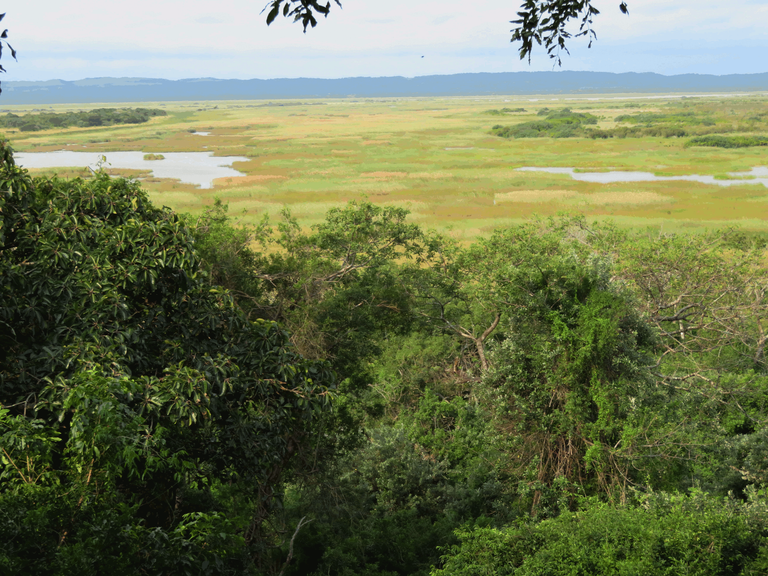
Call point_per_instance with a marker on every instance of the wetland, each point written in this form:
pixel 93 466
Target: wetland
pixel 194 168
pixel 680 163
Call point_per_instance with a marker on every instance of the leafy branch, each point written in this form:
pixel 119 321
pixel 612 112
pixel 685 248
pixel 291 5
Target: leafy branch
pixel 303 10
pixel 3 40
pixel 544 22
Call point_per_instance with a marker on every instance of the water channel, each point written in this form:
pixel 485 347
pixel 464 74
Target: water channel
pixel 758 175
pixel 198 168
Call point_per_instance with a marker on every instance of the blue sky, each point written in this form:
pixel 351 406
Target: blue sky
pixel 229 39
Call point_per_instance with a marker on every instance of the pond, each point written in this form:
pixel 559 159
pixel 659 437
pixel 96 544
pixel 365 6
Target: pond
pixel 198 168
pixel 758 175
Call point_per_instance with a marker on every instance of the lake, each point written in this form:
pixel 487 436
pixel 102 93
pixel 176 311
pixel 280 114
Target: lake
pixel 758 175
pixel 198 168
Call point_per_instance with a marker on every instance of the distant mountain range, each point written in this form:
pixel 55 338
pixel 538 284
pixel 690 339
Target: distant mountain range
pixel 480 84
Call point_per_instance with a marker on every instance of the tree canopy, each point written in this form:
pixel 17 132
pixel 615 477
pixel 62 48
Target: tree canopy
pixel 133 394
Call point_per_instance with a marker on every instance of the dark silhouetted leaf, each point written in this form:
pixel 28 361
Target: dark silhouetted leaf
pixel 273 14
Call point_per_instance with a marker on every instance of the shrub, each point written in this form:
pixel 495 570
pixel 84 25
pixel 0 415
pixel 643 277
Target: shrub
pixel 718 141
pixel 665 535
pixel 557 124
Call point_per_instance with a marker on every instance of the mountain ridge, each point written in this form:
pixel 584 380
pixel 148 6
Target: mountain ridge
pixel 134 89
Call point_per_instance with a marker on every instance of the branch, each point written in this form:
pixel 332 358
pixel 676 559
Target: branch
pixel 491 328
pixel 290 546
pixel 26 480
pixel 299 10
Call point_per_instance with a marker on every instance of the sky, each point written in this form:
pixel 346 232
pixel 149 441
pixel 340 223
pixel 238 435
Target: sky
pixel 177 39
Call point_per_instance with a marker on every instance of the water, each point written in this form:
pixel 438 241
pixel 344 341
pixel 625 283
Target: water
pixel 198 168
pixel 758 175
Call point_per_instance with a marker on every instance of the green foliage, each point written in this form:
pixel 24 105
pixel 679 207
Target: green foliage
pixel 573 356
pixel 388 505
pixel 97 117
pixel 457 432
pixel 411 363
pixel 503 111
pixel 557 124
pixel 128 381
pixel 677 124
pixel 667 118
pixel 42 533
pixel 665 535
pixel 228 259
pixel 718 141
pixel 638 132
pixel 335 289
pixel 156 416
pixel 703 296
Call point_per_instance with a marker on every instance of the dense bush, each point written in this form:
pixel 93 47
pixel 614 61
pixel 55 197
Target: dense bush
pixel 674 117
pixel 638 132
pixel 663 535
pixel 503 111
pixel 96 117
pixel 557 124
pixel 719 141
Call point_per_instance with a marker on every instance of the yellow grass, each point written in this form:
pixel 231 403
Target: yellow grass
pixel 535 196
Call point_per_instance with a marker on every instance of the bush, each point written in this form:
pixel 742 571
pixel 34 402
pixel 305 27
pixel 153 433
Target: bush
pixel 664 535
pixel 558 124
pixel 718 141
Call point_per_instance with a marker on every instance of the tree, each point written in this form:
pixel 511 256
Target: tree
pixel 571 354
pixel 133 394
pixel 543 22
pixel 336 289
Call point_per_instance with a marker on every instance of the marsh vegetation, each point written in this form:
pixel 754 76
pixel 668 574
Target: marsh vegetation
pixel 440 158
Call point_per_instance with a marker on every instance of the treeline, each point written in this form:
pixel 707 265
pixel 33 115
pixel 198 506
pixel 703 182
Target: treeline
pixel 638 132
pixel 705 129
pixel 97 117
pixel 718 141
pixel 370 397
pixel 503 111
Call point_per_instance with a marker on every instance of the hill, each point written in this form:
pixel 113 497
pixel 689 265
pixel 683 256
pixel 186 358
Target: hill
pixel 512 83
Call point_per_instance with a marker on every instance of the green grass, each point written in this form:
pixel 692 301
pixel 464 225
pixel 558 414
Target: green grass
pixel 439 156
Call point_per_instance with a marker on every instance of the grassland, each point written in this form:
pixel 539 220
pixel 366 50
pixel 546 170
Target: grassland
pixel 439 158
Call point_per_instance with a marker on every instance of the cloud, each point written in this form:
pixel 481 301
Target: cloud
pixel 190 38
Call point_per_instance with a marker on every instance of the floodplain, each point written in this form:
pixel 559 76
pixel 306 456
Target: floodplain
pixel 443 158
